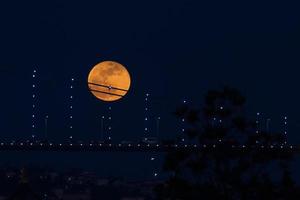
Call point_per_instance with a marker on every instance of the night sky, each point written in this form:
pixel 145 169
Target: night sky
pixel 173 50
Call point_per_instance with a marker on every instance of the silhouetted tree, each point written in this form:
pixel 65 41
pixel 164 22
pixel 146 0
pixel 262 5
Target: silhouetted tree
pixel 235 161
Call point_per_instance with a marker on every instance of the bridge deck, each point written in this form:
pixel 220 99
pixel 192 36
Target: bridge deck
pixel 140 147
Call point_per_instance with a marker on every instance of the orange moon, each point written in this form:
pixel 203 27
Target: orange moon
pixel 109 81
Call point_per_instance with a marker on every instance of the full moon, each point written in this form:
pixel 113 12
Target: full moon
pixel 109 81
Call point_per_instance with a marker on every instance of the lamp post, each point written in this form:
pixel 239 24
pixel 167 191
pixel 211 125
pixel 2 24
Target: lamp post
pixel 102 128
pixel 268 125
pixel 46 128
pixel 157 127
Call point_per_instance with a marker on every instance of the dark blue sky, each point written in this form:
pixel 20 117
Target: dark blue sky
pixel 172 49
